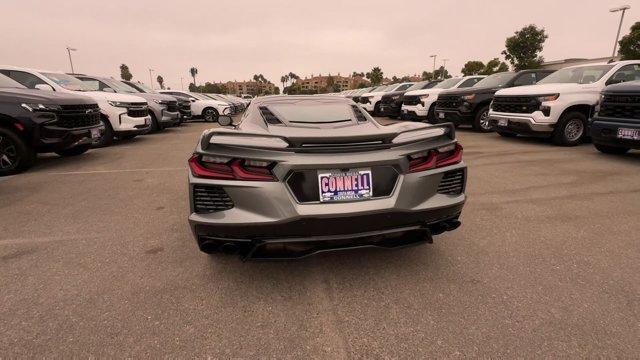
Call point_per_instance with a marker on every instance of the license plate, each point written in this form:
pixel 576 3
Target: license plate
pixel 95 134
pixel 338 185
pixel 503 122
pixel 441 115
pixel 405 111
pixel 629 134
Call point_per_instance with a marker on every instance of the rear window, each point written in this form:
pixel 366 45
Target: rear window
pixel 312 113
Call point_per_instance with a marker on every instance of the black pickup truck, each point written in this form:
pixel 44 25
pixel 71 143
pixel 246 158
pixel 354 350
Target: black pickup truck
pixel 615 129
pixel 36 121
pixel 391 103
pixel 471 105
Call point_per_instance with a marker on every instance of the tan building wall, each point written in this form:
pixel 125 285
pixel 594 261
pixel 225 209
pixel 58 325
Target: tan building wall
pixel 319 82
pixel 249 87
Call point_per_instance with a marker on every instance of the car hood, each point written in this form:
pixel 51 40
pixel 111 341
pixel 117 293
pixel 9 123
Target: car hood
pixel 151 96
pixel 212 102
pixel 424 92
pixel 471 90
pixel 626 87
pixel 43 97
pixel 542 89
pixel 377 93
pixel 107 96
pixel 394 93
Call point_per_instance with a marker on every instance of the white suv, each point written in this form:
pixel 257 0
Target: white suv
pixel 123 116
pixel 203 106
pixel 371 101
pixel 560 105
pixel 420 104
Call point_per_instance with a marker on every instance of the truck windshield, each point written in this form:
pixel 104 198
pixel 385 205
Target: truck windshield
pixel 495 80
pixel 403 87
pixel 67 81
pixel 447 84
pixel 7 82
pixel 577 75
pixel 119 86
pixel 144 87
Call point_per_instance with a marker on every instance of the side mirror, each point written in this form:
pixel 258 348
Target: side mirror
pixel 225 120
pixel 109 90
pixel 46 87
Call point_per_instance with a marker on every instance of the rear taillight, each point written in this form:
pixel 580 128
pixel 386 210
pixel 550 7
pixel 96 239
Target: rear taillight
pixel 432 159
pixel 221 168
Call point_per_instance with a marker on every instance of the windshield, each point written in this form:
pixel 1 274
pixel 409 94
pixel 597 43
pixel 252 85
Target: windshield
pixel 312 113
pixel 447 84
pixel 67 81
pixel 418 86
pixel 380 88
pixel 495 80
pixel 403 87
pixel 143 87
pixel 200 96
pixel 7 82
pixel 119 86
pixel 577 75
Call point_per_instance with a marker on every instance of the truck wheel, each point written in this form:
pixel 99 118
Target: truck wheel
pixel 15 155
pixel 210 114
pixel 611 149
pixel 155 125
pixel 431 114
pixel 107 135
pixel 481 122
pixel 507 134
pixel 74 151
pixel 570 130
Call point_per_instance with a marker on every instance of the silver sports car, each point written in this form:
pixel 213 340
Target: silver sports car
pixel 304 174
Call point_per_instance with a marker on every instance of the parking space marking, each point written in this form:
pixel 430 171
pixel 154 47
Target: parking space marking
pixel 114 171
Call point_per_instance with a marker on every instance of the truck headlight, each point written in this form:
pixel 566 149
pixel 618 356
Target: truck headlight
pixel 40 107
pixel 469 97
pixel 118 104
pixel 545 98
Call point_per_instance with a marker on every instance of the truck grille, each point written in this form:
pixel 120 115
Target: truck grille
pixel 78 116
pixel 172 106
pixel 387 100
pixel 515 104
pixel 620 106
pixel 452 183
pixel 209 199
pixel 364 100
pixel 138 112
pixel 411 100
pixel 449 101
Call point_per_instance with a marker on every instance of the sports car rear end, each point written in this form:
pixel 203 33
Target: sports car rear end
pixel 302 175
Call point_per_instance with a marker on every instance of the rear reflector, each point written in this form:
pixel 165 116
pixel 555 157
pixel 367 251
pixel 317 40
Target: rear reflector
pixel 230 169
pixel 432 159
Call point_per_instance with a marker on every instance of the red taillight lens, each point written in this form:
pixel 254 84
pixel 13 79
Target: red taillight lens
pixel 233 169
pixel 435 159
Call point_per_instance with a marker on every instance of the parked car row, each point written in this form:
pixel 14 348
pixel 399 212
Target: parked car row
pixel 49 111
pixel 568 106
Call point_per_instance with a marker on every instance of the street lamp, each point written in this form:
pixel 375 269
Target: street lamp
pixel 151 78
pixel 434 64
pixel 444 66
pixel 69 50
pixel 622 8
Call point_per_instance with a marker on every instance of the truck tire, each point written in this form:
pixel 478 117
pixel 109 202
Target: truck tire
pixel 607 149
pixel 481 121
pixel 571 129
pixel 431 114
pixel 107 135
pixel 15 155
pixel 210 114
pixel 74 151
pixel 155 125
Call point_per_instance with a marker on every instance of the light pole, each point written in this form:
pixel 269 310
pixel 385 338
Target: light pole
pixel 69 50
pixel 622 8
pixel 151 78
pixel 433 73
pixel 444 66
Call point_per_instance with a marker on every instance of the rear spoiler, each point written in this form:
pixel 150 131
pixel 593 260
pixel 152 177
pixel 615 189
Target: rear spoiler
pixel 233 138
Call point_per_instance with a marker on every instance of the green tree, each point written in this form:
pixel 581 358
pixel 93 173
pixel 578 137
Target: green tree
pixel 427 75
pixel 630 44
pixel 276 91
pixel 523 48
pixel 160 81
pixel 293 76
pixel 125 74
pixel 441 73
pixel 284 79
pixel 193 71
pixel 494 66
pixel 355 73
pixel 375 76
pixel 473 67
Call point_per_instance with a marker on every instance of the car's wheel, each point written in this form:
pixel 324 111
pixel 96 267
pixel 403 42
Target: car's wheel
pixel 74 151
pixel 481 122
pixel 376 109
pixel 611 149
pixel 570 130
pixel 107 135
pixel 155 125
pixel 210 114
pixel 431 115
pixel 15 155
pixel 507 134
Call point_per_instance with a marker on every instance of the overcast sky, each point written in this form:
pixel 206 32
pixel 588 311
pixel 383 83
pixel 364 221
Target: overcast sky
pixel 234 39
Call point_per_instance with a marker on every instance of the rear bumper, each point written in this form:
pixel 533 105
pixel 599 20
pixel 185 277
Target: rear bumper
pixel 605 132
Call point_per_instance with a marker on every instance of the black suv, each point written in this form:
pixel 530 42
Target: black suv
pixel 616 127
pixel 34 121
pixel 471 105
pixel 184 104
pixel 391 103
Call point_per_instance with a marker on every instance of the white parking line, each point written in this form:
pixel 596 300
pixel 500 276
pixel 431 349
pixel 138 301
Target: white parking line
pixel 114 171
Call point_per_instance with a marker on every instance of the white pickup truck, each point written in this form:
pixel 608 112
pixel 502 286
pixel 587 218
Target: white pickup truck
pixel 202 106
pixel 560 105
pixel 420 104
pixel 371 101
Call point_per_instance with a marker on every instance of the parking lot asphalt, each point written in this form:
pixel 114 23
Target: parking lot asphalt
pixel 97 259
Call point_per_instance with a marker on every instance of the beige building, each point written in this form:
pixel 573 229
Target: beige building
pixel 249 87
pixel 320 83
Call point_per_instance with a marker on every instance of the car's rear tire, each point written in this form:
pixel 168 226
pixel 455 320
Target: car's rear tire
pixel 210 114
pixel 570 130
pixel 74 151
pixel 107 135
pixel 615 150
pixel 15 155
pixel 481 121
pixel 507 134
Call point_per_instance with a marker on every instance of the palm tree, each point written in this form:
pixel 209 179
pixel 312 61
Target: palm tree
pixel 284 79
pixel 160 81
pixel 194 71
